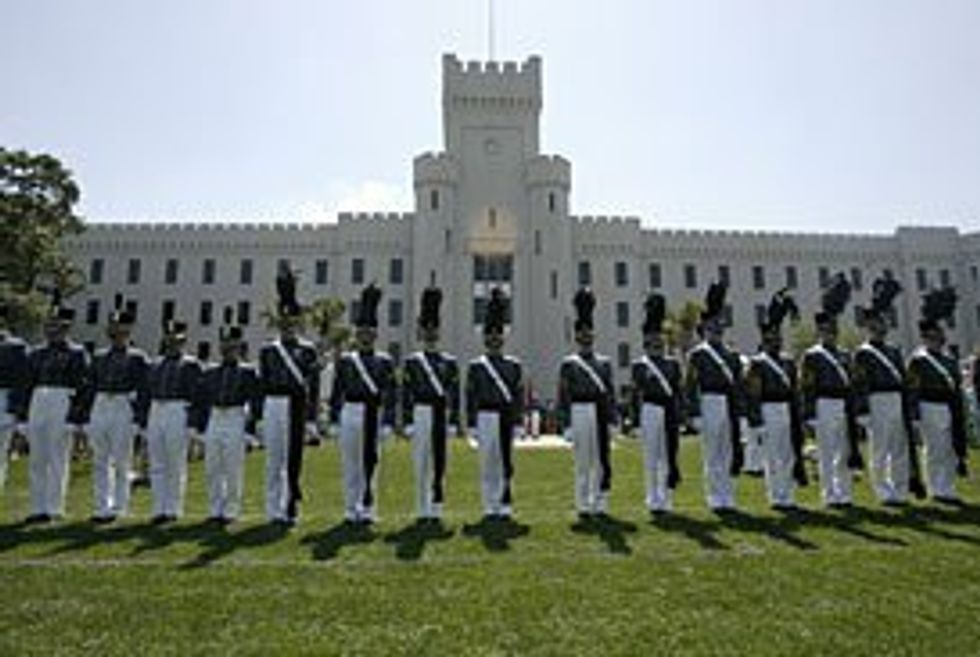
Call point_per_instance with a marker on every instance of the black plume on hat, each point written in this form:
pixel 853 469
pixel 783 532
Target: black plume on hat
pixel 834 298
pixel 286 291
pixel 431 300
pixel 496 315
pixel 368 309
pixel 883 293
pixel 714 301
pixel 655 308
pixel 119 314
pixel 584 307
pixel 781 305
pixel 229 331
pixel 174 328
pixel 937 305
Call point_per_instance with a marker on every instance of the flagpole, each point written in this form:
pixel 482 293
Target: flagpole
pixel 491 30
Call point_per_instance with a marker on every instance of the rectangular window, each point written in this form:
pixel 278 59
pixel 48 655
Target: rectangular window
pixel 725 274
pixel 690 276
pixel 207 311
pixel 655 275
pixel 479 310
pixel 622 274
pixel 357 271
pixel 623 352
pixel 244 312
pixel 434 199
pixel 584 273
pixel 395 351
pixel 551 202
pixel 204 351
pixel 824 276
pixel 537 242
pixel 974 273
pixel 133 309
pixel 92 312
pixel 396 271
pixel 322 272
pixel 554 285
pixel 207 271
pixel 355 310
pixel 857 278
pixel 760 314
pixel 395 313
pixel 168 310
pixel 791 278
pixel 921 279
pixel 944 278
pixel 978 321
pixel 170 271
pixel 758 277
pixel 623 314
pixel 245 273
pixel 133 271
pixel 97 268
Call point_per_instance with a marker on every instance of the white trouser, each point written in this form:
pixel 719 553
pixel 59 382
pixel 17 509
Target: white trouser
pixel 653 432
pixel 110 433
pixel 50 441
pixel 224 457
pixel 778 448
pixel 166 441
pixel 424 459
pixel 830 427
pixel 755 451
pixel 492 480
pixel 352 437
pixel 889 447
pixel 7 424
pixel 936 425
pixel 275 437
pixel 584 427
pixel 716 451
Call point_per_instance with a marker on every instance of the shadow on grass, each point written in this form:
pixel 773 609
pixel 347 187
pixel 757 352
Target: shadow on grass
pixel 701 532
pixel 327 545
pixel 218 542
pixel 410 541
pixel 496 533
pixel 610 531
pixel 783 528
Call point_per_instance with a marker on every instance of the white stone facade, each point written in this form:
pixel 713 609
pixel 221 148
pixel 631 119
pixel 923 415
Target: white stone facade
pixel 490 203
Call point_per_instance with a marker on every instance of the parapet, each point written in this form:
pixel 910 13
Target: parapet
pixel 435 169
pixel 482 81
pixel 548 170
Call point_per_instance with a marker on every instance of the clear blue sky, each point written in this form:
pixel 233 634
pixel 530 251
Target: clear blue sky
pixel 829 115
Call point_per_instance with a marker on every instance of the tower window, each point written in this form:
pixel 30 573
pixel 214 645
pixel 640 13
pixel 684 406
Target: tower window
pixel 434 199
pixel 98 266
pixel 207 272
pixel 690 276
pixel 584 273
pixel 791 280
pixel 725 274
pixel 622 274
pixel 655 275
pixel 551 201
pixel 537 242
pixel 170 271
pixel 758 277
pixel 357 271
pixel 492 218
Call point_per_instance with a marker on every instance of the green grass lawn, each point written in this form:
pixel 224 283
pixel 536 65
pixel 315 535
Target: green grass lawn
pixel 869 581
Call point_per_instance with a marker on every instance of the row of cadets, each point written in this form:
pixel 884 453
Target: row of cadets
pixel 715 402
pixel 495 409
pixel 363 397
pixel 430 404
pixel 828 400
pixel 13 368
pixel 587 411
pixel 227 406
pixel 289 373
pixel 773 406
pixel 657 408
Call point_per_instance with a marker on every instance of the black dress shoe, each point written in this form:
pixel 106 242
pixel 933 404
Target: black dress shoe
pixel 159 519
pixel 784 508
pixel 102 520
pixel 895 504
pixel 37 519
pixel 948 501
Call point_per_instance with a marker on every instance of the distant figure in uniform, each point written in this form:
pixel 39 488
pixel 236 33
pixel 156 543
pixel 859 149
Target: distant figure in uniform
pixel 774 406
pixel 363 404
pixel 119 374
pixel 715 401
pixel 587 411
pixel 430 403
pixel 289 371
pixel 54 409
pixel 658 409
pixel 828 399
pixel 13 370
pixel 227 404
pixel 170 386
pixel 934 388
pixel 494 410
pixel 882 410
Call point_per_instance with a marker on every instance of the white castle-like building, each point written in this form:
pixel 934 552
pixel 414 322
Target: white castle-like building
pixel 492 210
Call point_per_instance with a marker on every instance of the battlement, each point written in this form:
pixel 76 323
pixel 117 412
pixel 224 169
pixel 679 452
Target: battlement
pixel 503 82
pixel 379 219
pixel 435 169
pixel 199 225
pixel 611 221
pixel 548 170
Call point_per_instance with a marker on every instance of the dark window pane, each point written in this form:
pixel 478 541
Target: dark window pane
pixel 133 271
pixel 244 312
pixel 690 276
pixel 207 311
pixel 245 275
pixel 395 313
pixel 724 274
pixel 622 274
pixel 655 275
pixel 92 312
pixel 322 272
pixel 97 269
pixel 357 271
pixel 207 273
pixel 758 277
pixel 396 273
pixel 623 314
pixel 170 271
pixel 791 278
pixel 584 274
pixel 623 352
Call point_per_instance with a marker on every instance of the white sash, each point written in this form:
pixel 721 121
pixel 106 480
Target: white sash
pixel 775 367
pixel 495 375
pixel 362 371
pixel 841 372
pixel 885 360
pixel 664 383
pixel 596 379
pixel 429 372
pixel 706 346
pixel 939 368
pixel 289 363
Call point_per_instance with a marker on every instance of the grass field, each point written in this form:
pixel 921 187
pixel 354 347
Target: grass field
pixel 868 581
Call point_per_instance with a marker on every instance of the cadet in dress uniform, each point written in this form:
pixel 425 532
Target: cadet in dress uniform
pixel 774 408
pixel 934 388
pixel 495 410
pixel 878 373
pixel 170 387
pixel 54 408
pixel 363 397
pixel 430 403
pixel 587 411
pixel 119 374
pixel 13 369
pixel 289 370
pixel 715 401
pixel 227 404
pixel 828 400
pixel 658 409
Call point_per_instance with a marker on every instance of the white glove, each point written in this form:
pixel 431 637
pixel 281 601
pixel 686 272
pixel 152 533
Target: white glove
pixel 696 424
pixel 812 423
pixel 409 430
pixel 385 433
pixel 194 436
pixel 312 429
pixel 78 428
pixel 20 428
pixel 135 429
pixel 864 421
pixel 250 439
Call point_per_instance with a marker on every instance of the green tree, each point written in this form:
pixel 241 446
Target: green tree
pixel 803 335
pixel 681 325
pixel 326 317
pixel 37 206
